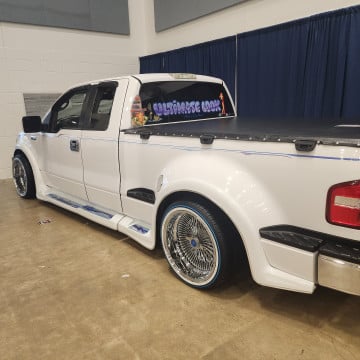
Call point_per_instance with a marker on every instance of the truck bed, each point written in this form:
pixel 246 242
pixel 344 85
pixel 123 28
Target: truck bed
pixel 265 130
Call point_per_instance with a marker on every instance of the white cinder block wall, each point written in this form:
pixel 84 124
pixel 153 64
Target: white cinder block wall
pixel 40 59
pixel 35 59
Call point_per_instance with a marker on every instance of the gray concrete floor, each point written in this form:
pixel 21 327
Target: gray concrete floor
pixel 71 289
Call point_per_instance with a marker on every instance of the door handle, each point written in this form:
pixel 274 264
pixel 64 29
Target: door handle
pixel 74 145
pixel 33 137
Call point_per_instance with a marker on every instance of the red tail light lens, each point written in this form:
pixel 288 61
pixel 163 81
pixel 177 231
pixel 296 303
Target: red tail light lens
pixel 343 204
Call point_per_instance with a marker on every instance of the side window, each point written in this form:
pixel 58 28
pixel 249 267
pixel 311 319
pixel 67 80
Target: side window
pixel 101 111
pixel 67 112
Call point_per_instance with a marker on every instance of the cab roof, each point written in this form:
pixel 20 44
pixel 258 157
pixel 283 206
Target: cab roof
pixel 146 78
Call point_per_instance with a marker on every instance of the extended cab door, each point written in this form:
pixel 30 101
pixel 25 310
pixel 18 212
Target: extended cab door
pixel 100 144
pixel 62 159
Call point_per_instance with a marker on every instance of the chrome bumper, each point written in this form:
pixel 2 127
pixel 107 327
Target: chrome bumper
pixel 339 274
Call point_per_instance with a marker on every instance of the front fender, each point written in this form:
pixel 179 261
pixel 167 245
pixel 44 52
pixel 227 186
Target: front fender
pixel 24 145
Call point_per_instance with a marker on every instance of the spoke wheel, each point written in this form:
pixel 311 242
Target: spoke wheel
pixel 23 177
pixel 193 244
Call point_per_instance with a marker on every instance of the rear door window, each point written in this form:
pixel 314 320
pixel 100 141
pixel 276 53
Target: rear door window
pixel 172 101
pixel 101 110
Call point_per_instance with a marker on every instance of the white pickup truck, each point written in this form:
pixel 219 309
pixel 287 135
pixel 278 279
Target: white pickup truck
pixel 164 159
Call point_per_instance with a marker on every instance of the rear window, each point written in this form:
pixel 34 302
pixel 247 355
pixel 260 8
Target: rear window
pixel 170 101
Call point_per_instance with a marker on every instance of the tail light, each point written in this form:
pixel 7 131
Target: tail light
pixel 343 204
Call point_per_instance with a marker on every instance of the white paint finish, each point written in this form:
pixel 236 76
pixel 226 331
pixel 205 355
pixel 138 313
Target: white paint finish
pixel 294 261
pixel 63 168
pixel 138 210
pixel 250 15
pixel 101 159
pixel 191 161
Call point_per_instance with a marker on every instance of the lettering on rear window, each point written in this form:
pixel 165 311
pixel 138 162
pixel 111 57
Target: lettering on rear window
pixel 171 101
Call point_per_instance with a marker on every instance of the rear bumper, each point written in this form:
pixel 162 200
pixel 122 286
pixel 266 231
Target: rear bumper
pixel 339 274
pixel 321 258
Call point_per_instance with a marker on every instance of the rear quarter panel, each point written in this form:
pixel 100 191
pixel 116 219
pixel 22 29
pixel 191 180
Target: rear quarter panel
pixel 256 184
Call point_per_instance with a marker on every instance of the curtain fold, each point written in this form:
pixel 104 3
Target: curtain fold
pixel 198 59
pixel 151 64
pixel 270 71
pixel 326 65
pixel 222 61
pixel 307 68
pixel 351 95
pixel 175 61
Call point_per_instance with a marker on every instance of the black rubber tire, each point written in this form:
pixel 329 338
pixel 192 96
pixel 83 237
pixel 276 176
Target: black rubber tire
pixel 29 192
pixel 209 219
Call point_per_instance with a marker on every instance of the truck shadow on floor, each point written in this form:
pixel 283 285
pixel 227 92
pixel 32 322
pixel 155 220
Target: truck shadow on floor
pixel 156 254
pixel 324 308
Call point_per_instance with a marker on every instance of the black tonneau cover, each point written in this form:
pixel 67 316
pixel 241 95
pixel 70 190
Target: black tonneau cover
pixel 266 130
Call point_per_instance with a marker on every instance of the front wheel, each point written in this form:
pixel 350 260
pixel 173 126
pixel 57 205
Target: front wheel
pixel 194 243
pixel 23 177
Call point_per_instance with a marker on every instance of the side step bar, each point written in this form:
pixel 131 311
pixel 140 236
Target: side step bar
pixel 134 228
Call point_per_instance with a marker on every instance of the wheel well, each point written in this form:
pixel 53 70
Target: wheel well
pixel 237 241
pixel 20 152
pixel 17 151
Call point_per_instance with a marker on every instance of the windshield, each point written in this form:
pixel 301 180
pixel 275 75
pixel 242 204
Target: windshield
pixel 170 101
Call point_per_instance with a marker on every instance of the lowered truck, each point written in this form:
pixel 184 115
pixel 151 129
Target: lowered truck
pixel 164 159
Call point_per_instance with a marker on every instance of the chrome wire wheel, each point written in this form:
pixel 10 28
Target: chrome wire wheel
pixel 20 177
pixel 190 246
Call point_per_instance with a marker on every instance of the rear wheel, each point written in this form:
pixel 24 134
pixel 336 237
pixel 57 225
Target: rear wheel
pixel 195 244
pixel 23 177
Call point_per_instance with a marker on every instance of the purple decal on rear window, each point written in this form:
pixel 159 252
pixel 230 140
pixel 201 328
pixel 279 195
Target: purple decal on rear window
pixel 186 107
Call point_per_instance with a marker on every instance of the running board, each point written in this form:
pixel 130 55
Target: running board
pixel 138 230
pixel 134 228
pixel 85 209
pixel 88 208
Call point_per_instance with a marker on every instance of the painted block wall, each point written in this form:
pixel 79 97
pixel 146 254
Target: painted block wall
pixel 35 59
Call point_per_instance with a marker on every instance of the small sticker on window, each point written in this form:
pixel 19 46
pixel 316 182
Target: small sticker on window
pixel 137 113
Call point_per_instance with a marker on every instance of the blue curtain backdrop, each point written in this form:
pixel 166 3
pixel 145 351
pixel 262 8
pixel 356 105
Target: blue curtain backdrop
pixel 351 95
pixel 151 64
pixel 215 58
pixel 270 71
pixel 308 68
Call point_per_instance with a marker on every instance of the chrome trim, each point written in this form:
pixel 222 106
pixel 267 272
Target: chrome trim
pixel 19 177
pixel 352 203
pixel 190 246
pixel 339 274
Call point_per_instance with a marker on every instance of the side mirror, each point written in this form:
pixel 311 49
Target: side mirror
pixel 31 124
